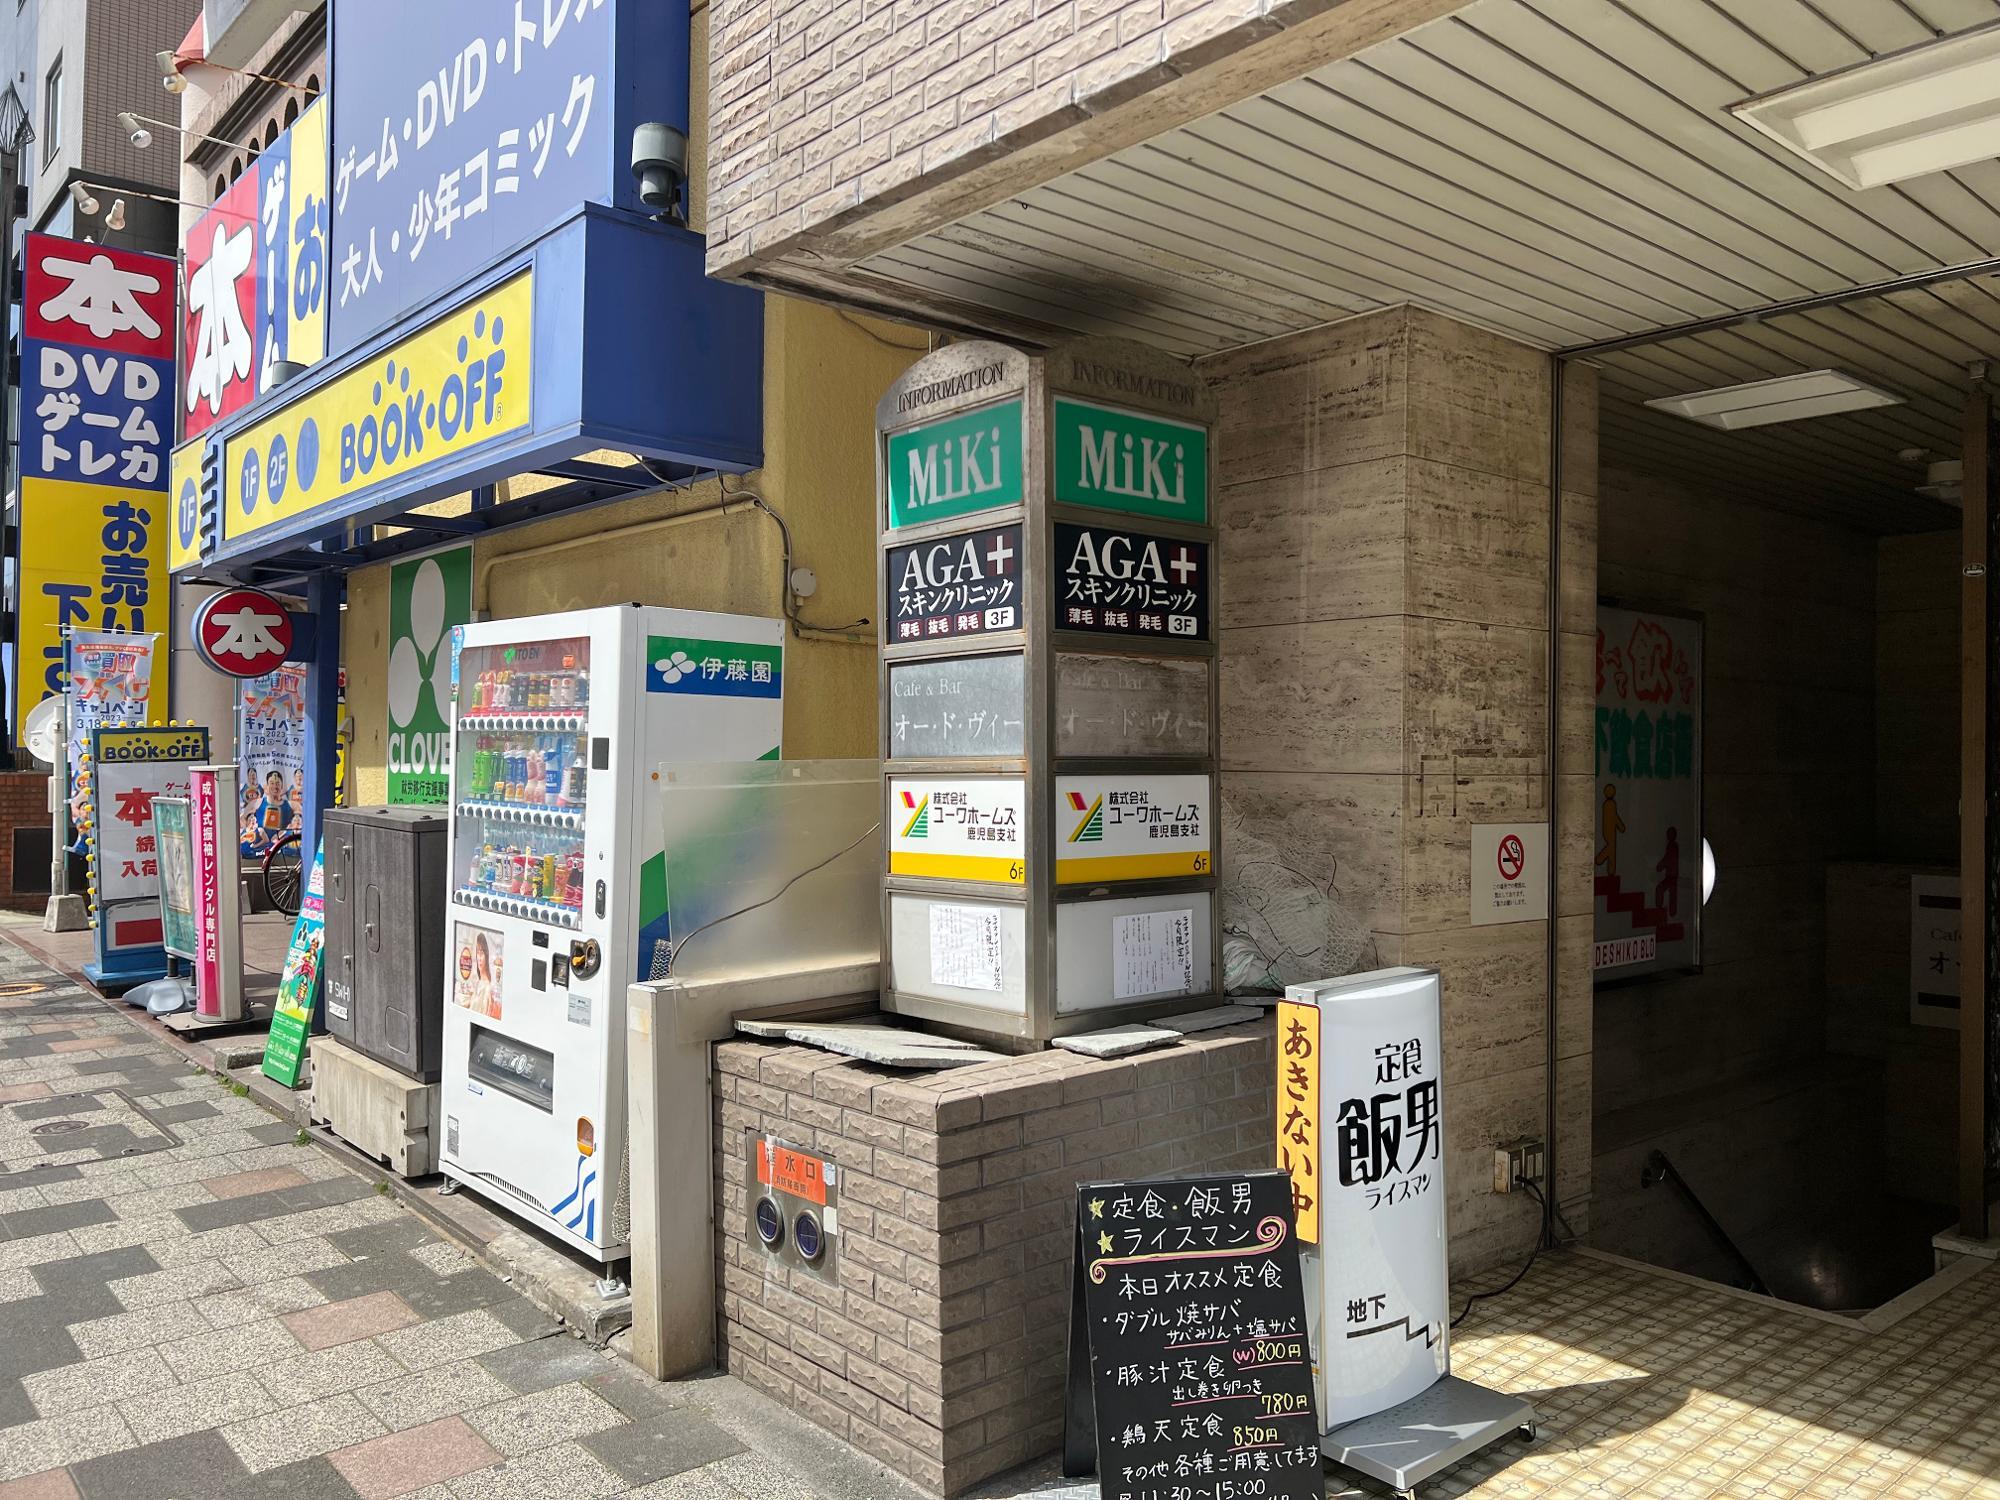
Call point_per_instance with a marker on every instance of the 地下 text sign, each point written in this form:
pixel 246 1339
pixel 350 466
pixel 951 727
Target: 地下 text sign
pixel 462 131
pixel 1131 828
pixel 954 467
pixel 243 632
pixel 257 277
pixel 1199 1356
pixel 462 380
pixel 958 830
pixel 96 420
pixel 1127 583
pixel 428 596
pixel 1121 460
pixel 953 586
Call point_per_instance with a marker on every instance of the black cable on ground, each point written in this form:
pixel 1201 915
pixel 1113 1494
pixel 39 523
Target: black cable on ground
pixel 1498 1290
pixel 1477 1297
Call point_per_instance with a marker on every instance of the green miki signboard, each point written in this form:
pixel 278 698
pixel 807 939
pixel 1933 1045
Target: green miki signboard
pixel 1119 460
pixel 427 596
pixel 951 468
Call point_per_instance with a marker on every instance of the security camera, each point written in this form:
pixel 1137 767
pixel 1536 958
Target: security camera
pixel 659 161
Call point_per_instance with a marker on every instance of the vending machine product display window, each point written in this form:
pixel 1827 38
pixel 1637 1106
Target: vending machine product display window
pixel 558 878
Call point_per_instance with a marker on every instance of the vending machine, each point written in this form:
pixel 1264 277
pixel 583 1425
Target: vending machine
pixel 558 882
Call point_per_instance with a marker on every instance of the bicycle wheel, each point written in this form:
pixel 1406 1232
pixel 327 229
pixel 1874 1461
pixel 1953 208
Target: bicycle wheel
pixel 283 874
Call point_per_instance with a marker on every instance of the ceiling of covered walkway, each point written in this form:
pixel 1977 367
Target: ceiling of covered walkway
pixel 1566 172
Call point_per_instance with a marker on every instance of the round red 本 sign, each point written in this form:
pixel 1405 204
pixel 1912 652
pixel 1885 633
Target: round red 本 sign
pixel 244 632
pixel 1513 857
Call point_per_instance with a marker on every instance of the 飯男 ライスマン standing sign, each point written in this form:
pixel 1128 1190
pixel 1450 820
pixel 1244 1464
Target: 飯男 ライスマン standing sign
pixel 1361 1130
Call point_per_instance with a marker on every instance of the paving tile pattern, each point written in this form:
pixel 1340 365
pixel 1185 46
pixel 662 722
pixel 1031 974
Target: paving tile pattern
pixel 192 1305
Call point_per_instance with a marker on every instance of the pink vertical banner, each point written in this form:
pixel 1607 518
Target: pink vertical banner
pixel 207 895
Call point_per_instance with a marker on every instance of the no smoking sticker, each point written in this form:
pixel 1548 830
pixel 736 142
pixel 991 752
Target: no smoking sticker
pixel 1510 873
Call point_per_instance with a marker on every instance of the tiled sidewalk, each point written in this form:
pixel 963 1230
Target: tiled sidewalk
pixel 1654 1388
pixel 193 1304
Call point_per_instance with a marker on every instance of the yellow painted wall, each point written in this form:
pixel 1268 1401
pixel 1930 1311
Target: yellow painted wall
pixel 823 372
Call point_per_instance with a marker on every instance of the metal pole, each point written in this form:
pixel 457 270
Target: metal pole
pixel 1973 811
pixel 323 590
pixel 1553 949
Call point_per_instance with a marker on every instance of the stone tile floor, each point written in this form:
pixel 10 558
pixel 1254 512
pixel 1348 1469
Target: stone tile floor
pixel 194 1305
pixel 1654 1386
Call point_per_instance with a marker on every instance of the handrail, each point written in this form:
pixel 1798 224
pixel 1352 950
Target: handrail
pixel 1659 1168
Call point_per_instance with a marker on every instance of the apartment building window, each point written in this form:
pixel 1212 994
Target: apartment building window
pixel 52 112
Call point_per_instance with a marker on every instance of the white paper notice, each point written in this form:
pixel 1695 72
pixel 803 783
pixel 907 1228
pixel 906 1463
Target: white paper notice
pixel 1152 953
pixel 965 947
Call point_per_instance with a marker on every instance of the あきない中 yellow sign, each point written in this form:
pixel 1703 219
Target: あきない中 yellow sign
pixel 460 381
pixel 1298 1112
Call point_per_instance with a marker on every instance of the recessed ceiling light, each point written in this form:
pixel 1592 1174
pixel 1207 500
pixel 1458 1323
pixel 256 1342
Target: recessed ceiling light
pixel 1788 398
pixel 1905 114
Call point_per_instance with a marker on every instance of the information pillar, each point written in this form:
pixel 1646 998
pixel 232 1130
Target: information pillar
pixel 1048 688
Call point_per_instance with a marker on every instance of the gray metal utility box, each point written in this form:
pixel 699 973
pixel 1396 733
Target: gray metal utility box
pixel 384 961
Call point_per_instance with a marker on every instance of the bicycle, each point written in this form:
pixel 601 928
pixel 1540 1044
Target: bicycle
pixel 284 873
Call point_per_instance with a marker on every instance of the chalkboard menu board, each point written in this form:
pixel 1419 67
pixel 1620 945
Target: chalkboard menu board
pixel 1192 1308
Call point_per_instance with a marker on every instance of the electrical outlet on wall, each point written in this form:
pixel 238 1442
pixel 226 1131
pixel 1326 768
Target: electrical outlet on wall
pixel 1516 1162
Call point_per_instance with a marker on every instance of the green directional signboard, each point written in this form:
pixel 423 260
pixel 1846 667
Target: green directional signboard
pixel 1120 460
pixel 966 463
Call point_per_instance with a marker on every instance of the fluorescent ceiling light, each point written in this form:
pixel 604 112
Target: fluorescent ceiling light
pixel 1905 114
pixel 1788 398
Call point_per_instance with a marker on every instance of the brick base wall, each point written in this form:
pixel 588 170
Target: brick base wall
pixel 941 1350
pixel 24 802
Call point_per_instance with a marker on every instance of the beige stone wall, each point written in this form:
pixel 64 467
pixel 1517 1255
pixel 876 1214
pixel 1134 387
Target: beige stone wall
pixel 1384 565
pixel 842 125
pixel 941 1350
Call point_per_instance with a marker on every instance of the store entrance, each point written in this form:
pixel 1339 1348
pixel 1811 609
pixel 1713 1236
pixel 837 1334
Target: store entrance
pixel 1776 1070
